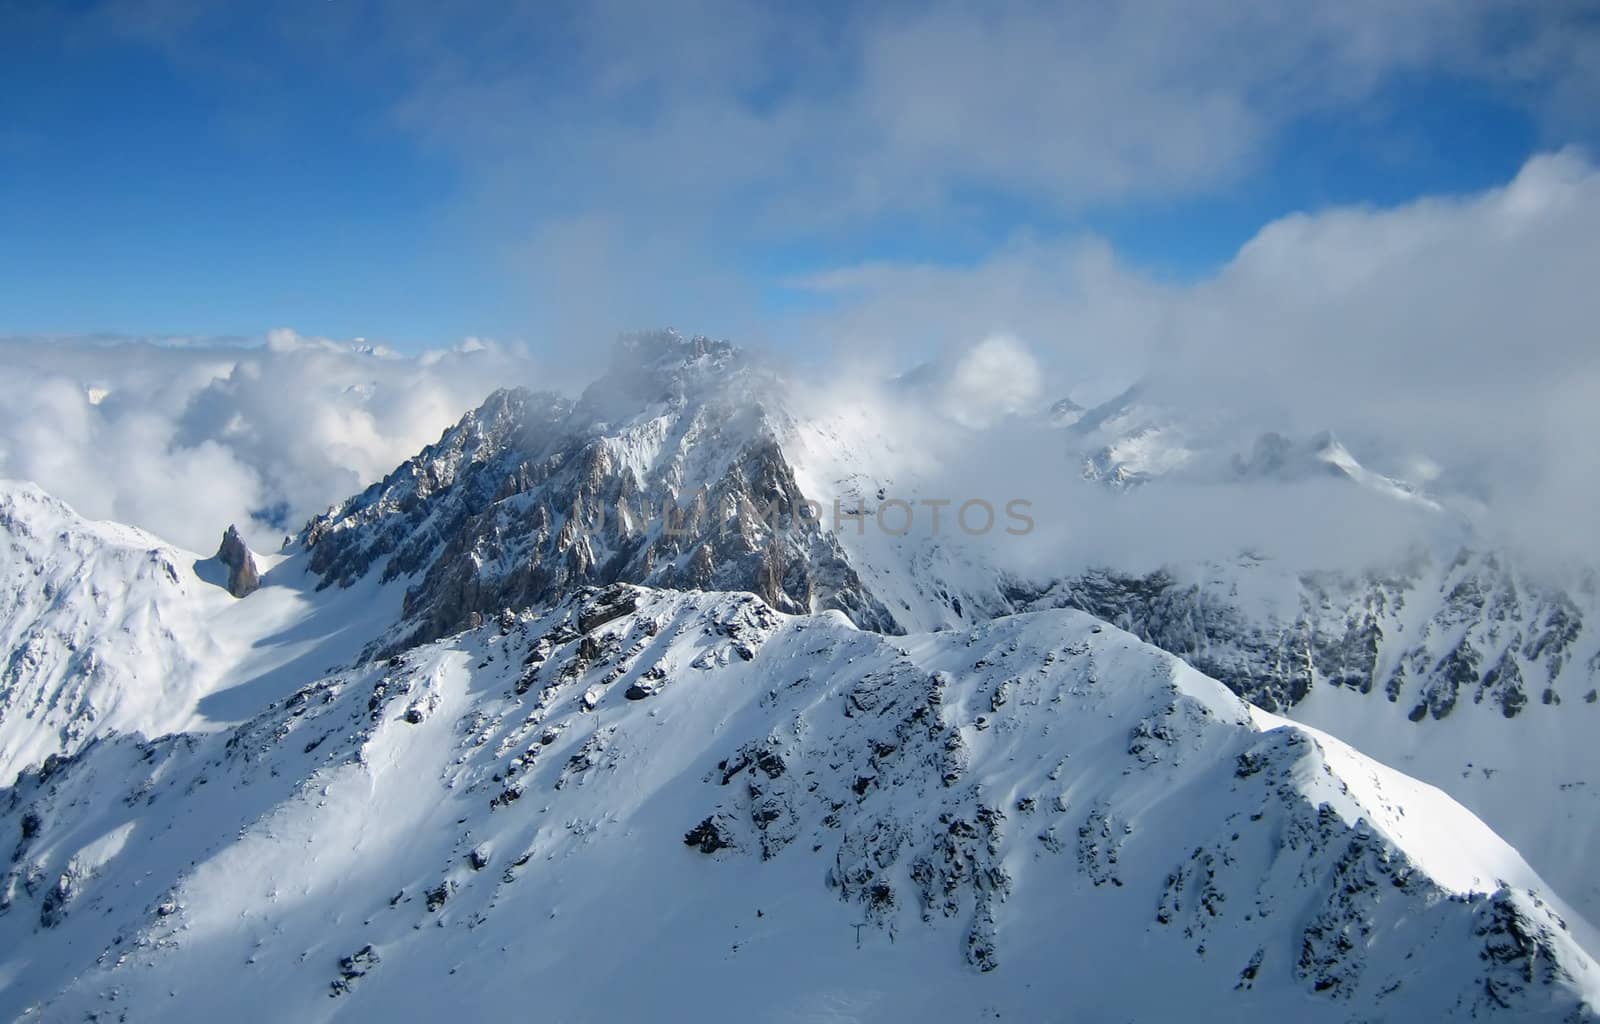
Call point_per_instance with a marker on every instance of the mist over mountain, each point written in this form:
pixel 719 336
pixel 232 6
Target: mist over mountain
pixel 1416 387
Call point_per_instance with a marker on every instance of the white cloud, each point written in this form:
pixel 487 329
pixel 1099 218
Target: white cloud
pixel 1450 324
pixel 1450 341
pixel 184 441
pixel 1071 299
pixel 718 107
pixel 998 377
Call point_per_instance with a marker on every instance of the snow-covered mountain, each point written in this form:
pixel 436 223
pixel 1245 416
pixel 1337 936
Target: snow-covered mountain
pixel 1274 456
pixel 1469 675
pixel 579 689
pixel 97 625
pixel 667 471
pixel 1128 441
pixel 1131 440
pixel 644 803
pixel 107 629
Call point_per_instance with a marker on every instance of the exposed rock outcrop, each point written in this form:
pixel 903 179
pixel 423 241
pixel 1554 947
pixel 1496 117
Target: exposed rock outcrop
pixel 244 578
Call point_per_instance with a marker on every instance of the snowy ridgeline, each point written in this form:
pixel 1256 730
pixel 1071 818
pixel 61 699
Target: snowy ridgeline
pixel 645 804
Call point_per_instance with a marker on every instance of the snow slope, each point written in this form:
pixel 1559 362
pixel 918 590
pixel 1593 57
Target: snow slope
pixel 101 625
pixel 1457 665
pixel 105 629
pixel 646 804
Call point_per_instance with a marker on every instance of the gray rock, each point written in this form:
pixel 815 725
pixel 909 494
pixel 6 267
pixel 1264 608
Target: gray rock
pixel 243 577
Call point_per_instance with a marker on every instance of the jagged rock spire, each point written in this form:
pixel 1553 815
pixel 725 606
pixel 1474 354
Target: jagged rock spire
pixel 243 577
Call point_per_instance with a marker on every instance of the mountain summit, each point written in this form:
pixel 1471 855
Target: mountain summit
pixel 667 471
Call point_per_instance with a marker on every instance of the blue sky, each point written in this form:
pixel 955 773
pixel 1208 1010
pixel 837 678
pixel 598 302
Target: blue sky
pixel 540 171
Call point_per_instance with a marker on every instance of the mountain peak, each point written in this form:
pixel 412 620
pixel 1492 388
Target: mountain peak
pixel 664 367
pixel 668 471
pixel 666 350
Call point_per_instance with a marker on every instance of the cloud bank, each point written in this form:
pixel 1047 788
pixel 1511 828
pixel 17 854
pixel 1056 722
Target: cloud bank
pixel 1448 342
pixel 184 439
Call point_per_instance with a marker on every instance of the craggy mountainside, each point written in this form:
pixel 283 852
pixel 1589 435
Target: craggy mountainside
pixel 1427 638
pixel 665 472
pixel 520 502
pixel 1468 675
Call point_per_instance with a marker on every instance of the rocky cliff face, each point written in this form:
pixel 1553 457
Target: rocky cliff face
pixel 1426 638
pixel 667 471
